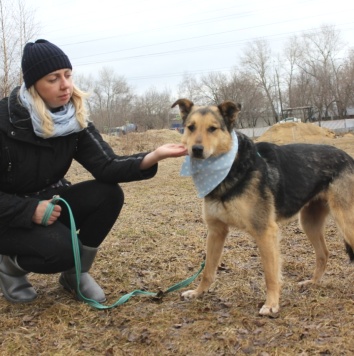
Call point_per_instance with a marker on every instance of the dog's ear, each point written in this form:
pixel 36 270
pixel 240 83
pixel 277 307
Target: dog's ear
pixel 229 111
pixel 185 107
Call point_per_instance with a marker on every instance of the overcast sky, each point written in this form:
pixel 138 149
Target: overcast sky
pixel 153 43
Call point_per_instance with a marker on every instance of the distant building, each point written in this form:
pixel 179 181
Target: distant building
pixel 122 130
pixel 177 125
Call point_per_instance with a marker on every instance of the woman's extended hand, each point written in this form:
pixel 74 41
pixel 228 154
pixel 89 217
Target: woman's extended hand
pixel 165 151
pixel 40 211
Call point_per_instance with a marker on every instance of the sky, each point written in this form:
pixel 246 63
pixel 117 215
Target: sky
pixel 153 44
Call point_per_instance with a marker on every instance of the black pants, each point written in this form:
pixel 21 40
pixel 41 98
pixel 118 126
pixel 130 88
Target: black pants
pixel 48 249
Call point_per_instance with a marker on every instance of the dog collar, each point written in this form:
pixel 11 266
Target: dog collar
pixel 208 173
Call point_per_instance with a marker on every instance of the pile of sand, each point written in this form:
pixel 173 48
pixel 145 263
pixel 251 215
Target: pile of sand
pixel 296 132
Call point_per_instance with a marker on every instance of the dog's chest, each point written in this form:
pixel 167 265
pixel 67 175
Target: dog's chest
pixel 232 213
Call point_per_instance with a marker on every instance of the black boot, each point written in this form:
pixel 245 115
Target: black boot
pixel 13 281
pixel 88 286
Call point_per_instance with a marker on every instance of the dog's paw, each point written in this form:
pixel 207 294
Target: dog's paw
pixel 269 311
pixel 190 294
pixel 306 283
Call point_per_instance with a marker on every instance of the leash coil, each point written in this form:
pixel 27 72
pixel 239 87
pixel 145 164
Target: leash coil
pixel 77 259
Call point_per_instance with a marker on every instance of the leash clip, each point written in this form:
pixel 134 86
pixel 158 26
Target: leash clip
pixel 159 295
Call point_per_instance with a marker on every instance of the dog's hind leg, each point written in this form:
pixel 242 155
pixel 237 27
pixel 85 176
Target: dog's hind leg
pixel 217 232
pixel 268 245
pixel 341 203
pixel 312 220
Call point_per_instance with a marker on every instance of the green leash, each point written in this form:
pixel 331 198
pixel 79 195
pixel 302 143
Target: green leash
pixel 76 251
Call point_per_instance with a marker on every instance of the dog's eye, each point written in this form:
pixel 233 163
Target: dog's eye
pixel 212 129
pixel 191 128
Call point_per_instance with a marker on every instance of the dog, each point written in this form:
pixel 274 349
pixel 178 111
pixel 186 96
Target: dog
pixel 267 184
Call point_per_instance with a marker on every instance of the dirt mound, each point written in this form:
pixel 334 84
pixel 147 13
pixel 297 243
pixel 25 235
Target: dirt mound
pixel 142 141
pixel 165 134
pixel 349 134
pixel 296 132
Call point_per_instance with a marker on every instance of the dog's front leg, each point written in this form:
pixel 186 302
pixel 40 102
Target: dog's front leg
pixel 217 233
pixel 268 244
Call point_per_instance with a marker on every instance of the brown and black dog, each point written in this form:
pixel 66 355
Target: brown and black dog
pixel 268 184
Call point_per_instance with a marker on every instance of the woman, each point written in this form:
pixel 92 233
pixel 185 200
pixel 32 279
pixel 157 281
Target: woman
pixel 43 127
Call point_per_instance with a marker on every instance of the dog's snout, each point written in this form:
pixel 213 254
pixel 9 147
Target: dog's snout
pixel 198 151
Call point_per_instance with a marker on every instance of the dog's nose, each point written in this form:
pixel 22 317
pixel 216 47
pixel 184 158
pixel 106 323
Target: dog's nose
pixel 198 151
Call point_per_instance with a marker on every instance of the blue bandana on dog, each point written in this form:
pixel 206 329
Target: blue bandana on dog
pixel 208 173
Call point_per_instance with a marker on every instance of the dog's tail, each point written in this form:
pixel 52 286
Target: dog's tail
pixel 350 251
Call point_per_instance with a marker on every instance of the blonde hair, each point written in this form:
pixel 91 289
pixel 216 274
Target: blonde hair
pixel 78 99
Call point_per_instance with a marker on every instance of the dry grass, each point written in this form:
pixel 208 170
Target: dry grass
pixel 158 241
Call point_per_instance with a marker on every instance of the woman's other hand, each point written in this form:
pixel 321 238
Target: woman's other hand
pixel 41 209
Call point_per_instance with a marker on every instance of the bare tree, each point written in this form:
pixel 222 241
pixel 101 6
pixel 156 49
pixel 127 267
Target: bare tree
pixel 189 88
pixel 111 100
pixel 257 62
pixel 346 81
pixel 17 26
pixel 235 86
pixel 313 76
pixel 152 109
pixel 26 24
pixel 242 89
pixel 319 60
pixel 87 84
pixel 211 87
pixel 202 90
pixel 8 45
pixel 292 53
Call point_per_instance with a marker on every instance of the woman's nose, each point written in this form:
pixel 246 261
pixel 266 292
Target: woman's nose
pixel 65 83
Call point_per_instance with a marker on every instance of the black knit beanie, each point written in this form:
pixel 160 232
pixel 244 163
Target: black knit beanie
pixel 41 58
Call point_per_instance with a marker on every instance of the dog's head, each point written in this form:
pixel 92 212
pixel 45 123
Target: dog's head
pixel 207 128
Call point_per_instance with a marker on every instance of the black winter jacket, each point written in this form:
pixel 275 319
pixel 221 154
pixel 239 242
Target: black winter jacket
pixel 29 163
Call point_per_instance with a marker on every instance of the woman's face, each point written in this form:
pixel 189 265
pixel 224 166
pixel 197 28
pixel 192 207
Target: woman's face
pixel 55 88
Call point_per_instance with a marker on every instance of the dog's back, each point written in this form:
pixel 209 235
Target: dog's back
pixel 294 173
pixel 299 172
